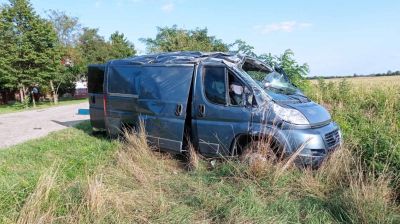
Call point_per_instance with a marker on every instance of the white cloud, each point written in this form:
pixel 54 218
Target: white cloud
pixel 168 7
pixel 286 26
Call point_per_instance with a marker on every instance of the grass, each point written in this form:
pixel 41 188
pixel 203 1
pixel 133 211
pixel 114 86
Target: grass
pixel 68 156
pixel 17 107
pixel 369 116
pixel 73 177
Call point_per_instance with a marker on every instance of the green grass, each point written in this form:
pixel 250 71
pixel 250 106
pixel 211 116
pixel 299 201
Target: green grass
pixel 73 152
pixel 17 107
pixel 73 177
pixel 369 116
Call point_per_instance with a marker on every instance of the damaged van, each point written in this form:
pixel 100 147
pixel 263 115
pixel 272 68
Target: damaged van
pixel 211 100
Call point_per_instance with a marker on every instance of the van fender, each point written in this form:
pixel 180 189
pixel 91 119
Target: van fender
pixel 241 140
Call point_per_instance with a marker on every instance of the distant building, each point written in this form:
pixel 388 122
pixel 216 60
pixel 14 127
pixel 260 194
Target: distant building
pixel 81 90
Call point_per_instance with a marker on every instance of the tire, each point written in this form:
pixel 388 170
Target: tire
pixel 262 150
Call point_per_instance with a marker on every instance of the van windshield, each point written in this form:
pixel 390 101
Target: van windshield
pixel 278 83
pixel 268 78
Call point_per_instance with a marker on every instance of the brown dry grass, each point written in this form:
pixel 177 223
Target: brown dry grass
pixel 144 186
pixel 367 82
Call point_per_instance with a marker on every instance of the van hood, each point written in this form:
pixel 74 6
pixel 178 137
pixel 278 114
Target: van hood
pixel 315 113
pixel 297 97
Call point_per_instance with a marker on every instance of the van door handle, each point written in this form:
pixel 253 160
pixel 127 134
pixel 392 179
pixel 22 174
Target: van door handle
pixel 202 110
pixel 179 109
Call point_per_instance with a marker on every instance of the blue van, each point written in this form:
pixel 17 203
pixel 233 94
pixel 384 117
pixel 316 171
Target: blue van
pixel 211 100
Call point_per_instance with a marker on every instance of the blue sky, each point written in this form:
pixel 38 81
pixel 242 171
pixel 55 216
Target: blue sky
pixel 333 37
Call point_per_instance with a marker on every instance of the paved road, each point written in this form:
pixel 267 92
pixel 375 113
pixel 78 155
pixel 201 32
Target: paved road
pixel 21 126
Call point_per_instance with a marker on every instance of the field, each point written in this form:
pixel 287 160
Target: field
pixel 365 82
pixel 74 177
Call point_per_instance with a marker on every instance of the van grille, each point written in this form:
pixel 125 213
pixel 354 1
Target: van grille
pixel 332 138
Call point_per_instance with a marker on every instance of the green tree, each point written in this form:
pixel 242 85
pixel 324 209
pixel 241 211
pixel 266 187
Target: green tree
pixel 8 51
pixel 176 39
pixel 34 54
pixel 296 72
pixel 95 50
pixel 93 47
pixel 120 47
pixel 241 47
pixel 67 29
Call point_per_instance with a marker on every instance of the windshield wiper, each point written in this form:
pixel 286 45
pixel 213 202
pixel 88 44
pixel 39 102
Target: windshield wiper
pixel 302 96
pixel 273 87
pixel 281 89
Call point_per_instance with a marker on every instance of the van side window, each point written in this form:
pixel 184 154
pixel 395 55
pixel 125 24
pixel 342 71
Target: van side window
pixel 236 90
pixel 215 85
pixel 123 79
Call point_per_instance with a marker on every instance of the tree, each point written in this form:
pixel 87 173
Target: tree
pixel 95 50
pixel 67 29
pixel 120 47
pixel 33 54
pixel 296 72
pixel 93 47
pixel 175 39
pixel 241 47
pixel 8 51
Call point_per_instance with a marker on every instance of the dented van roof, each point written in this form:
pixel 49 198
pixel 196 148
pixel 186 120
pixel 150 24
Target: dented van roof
pixel 182 57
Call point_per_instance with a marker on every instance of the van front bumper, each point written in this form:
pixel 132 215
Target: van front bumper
pixel 315 144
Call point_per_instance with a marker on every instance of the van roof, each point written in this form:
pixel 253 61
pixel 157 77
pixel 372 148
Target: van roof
pixel 182 57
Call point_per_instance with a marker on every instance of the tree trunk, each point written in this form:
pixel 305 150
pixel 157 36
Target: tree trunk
pixel 54 92
pixel 21 95
pixel 33 99
pixel 4 97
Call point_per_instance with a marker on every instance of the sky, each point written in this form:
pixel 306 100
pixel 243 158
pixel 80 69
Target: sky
pixel 334 37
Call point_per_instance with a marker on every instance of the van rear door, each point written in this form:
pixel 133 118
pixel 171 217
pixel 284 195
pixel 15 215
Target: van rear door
pixel 96 95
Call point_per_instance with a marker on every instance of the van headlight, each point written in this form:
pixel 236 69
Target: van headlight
pixel 290 115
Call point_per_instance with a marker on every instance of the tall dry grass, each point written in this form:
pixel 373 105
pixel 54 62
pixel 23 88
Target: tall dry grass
pixel 142 185
pixel 368 112
pixel 37 207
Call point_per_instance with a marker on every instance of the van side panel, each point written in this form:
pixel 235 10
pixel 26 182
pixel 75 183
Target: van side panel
pixel 96 94
pixel 154 95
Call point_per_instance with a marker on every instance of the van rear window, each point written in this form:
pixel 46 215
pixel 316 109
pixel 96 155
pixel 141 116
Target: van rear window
pixel 95 79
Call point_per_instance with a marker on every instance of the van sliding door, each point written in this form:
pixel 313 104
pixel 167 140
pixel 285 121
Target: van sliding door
pixel 163 96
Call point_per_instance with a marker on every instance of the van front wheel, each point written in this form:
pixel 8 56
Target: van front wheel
pixel 265 150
